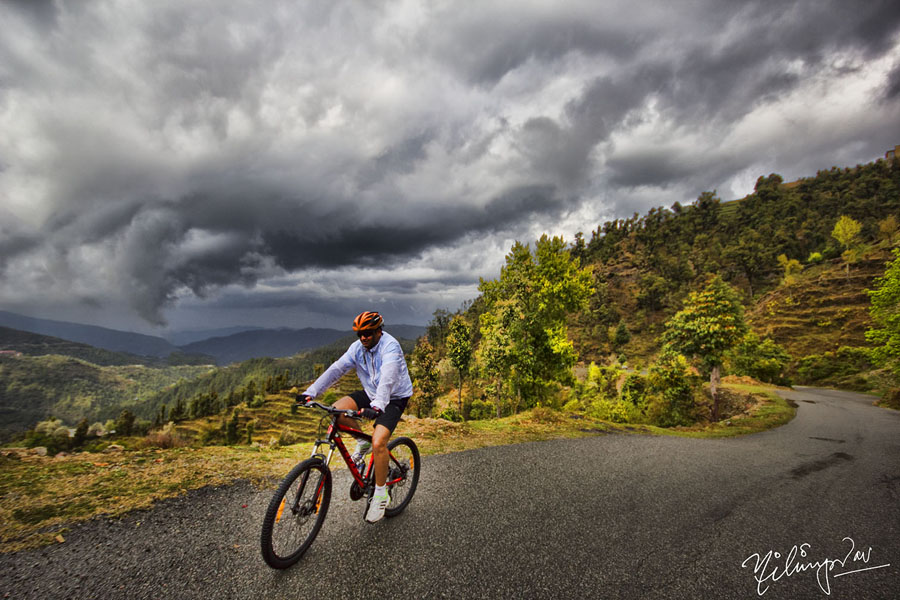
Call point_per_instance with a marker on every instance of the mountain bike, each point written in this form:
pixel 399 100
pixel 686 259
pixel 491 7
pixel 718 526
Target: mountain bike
pixel 297 510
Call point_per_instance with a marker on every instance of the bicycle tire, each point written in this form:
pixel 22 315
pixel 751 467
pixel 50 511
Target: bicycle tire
pixel 296 513
pixel 405 452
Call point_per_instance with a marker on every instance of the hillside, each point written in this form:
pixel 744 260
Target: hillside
pixel 32 388
pixel 33 344
pixel 99 337
pixel 644 267
pixel 823 310
pixel 278 343
pixel 218 346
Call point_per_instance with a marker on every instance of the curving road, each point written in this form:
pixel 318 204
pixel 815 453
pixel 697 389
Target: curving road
pixel 616 516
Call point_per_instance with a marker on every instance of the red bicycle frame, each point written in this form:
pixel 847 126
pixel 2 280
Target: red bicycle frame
pixel 334 440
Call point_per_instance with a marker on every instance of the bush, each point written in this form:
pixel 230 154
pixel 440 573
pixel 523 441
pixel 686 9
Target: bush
pixel 840 368
pixel 450 414
pixel 634 389
pixel 51 434
pixel 287 437
pixel 167 437
pixel 763 360
pixel 210 435
pixel 573 405
pixel 610 410
pixel 545 414
pixel 892 399
pixel 672 392
pixel 480 409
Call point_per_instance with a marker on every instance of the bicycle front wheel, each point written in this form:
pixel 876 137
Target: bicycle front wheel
pixel 296 513
pixel 403 474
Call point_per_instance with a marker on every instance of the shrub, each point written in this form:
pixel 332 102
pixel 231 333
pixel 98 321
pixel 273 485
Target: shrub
pixel 608 409
pixel 672 392
pixel 573 405
pixel 211 435
pixel 450 414
pixel 480 409
pixel 892 399
pixel 834 368
pixel 544 414
pixel 287 437
pixel 763 360
pixel 167 437
pixel 634 389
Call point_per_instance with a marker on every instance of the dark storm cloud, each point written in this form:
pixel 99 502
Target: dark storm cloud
pixel 350 242
pixel 156 154
pixel 892 89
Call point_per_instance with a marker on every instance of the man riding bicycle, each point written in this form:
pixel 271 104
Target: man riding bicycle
pixel 382 371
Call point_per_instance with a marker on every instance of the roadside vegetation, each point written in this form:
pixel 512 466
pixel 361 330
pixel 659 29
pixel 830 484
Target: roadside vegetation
pixel 42 497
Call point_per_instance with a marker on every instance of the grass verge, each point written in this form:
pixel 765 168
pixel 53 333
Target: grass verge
pixel 40 497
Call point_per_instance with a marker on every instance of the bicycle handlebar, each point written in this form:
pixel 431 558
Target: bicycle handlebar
pixel 329 409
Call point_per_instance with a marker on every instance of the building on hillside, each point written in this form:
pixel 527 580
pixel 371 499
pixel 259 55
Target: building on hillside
pixel 891 154
pixel 12 353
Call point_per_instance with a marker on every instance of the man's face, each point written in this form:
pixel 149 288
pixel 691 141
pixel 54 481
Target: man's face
pixel 369 337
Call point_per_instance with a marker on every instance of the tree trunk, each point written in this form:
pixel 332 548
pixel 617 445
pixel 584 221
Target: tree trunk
pixel 713 386
pixel 459 401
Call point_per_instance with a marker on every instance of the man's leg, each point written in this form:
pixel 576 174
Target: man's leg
pixel 380 452
pixel 347 403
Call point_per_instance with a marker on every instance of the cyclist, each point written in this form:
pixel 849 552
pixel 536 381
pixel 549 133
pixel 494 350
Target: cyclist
pixel 381 369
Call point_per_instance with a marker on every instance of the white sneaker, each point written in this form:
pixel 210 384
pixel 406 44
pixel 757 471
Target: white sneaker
pixel 376 508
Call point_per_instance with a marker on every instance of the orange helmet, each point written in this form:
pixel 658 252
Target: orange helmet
pixel 367 320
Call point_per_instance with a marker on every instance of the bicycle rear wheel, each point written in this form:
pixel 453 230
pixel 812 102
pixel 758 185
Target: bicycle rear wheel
pixel 296 513
pixel 403 470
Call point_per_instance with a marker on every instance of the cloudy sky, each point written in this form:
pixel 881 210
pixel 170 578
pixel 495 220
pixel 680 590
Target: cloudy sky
pixel 291 163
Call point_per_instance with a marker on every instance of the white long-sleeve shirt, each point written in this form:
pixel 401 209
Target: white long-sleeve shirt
pixel 382 371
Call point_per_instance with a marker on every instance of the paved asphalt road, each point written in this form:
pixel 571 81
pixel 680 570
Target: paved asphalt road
pixel 614 516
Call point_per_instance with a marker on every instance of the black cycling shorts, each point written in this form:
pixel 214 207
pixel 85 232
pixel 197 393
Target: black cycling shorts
pixel 392 412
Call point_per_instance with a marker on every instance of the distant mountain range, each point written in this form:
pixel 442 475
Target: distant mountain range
pixel 224 345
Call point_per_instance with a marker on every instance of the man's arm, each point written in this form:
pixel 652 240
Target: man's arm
pixel 390 375
pixel 337 370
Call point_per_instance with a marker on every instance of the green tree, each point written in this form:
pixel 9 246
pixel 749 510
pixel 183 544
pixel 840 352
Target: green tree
pixel 125 423
pixel 710 324
pixel 81 433
pixel 846 232
pixel 532 299
pixel 885 312
pixel 889 230
pixel 494 356
pixel 621 336
pixel 425 377
pixel 751 255
pixel 231 428
pixel 790 267
pixel 459 349
pixel 437 329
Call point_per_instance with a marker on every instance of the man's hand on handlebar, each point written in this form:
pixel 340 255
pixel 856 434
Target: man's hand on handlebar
pixel 369 413
pixel 303 399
